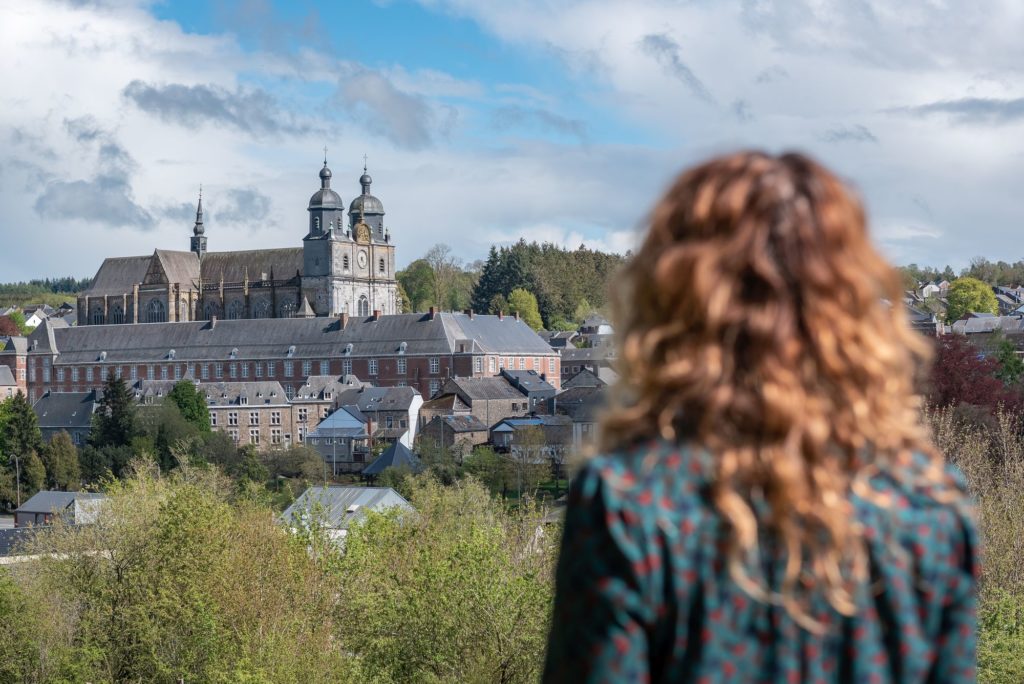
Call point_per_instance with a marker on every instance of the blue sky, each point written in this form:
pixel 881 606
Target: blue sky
pixel 487 121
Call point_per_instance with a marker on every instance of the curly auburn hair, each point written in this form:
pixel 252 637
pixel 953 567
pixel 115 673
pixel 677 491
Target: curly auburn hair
pixel 758 323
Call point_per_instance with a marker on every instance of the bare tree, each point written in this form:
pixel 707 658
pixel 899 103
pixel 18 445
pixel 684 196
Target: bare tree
pixel 444 267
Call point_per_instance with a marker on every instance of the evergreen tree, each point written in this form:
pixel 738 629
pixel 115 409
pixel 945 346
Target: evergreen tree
pixel 488 287
pixel 60 458
pixel 191 403
pixel 114 421
pixel 19 427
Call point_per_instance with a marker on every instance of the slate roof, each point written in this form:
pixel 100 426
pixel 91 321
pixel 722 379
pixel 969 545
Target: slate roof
pixel 581 404
pixel 483 389
pixel 283 263
pixel 395 456
pixel 347 421
pixel 529 382
pixel 271 338
pixel 372 399
pixel 341 506
pixel 6 377
pixel 531 421
pixel 12 537
pixel 117 275
pixel 48 501
pixel 217 393
pixel 463 423
pixel 17 344
pixel 602 353
pixel 317 387
pixel 179 267
pixel 65 410
pixel 987 324
pixel 445 402
pixel 585 378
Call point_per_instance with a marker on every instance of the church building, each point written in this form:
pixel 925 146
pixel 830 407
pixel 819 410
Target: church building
pixel 343 267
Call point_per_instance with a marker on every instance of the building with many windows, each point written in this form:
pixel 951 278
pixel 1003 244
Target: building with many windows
pixel 421 351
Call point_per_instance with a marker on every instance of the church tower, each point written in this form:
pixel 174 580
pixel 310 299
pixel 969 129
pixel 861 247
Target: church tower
pixel 198 242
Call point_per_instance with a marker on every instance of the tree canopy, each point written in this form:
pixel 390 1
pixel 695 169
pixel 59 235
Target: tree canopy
pixel 192 404
pixel 967 295
pixel 523 302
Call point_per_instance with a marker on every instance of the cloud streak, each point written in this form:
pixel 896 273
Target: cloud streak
pixel 406 119
pixel 970 110
pixel 514 116
pixel 856 134
pixel 667 52
pixel 252 111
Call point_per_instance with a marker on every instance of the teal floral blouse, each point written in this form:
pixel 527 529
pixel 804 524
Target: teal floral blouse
pixel 643 594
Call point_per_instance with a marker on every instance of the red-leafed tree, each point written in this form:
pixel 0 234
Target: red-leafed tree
pixel 964 374
pixel 8 327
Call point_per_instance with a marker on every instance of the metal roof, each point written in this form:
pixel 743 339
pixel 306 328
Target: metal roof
pixel 48 501
pixel 340 506
pixel 395 456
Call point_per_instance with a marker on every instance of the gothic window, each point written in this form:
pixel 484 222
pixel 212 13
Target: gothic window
pixel 97 316
pixel 235 309
pixel 380 266
pixel 117 314
pixel 156 312
pixel 262 309
pixel 364 306
pixel 287 309
pixel 210 310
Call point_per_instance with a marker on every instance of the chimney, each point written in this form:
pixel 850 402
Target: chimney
pixel 343 321
pixel 432 311
pixel 376 314
pixel 469 312
pixel 516 314
pixel 501 315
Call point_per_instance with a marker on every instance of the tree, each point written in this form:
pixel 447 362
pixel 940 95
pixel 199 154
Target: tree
pixel 529 463
pixel 417 279
pixel 443 267
pixel 20 442
pixel 18 319
pixel 465 582
pixel 583 309
pixel 498 305
pixel 192 404
pixel 522 301
pixel 962 374
pixel 114 420
pixel 968 295
pixel 60 458
pixel 1011 366
pixel 8 328
pixel 488 466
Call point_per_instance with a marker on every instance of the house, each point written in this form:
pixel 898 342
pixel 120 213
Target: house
pixel 538 439
pixel 74 507
pixel 595 324
pixel 337 507
pixel 457 433
pixel 8 385
pixel 342 439
pixel 533 385
pixel 585 378
pixel 599 360
pixel 395 456
pixel 34 319
pixel 393 411
pixel 559 339
pixel 923 321
pixel 582 404
pixel 489 399
pixel 69 412
pixel 443 405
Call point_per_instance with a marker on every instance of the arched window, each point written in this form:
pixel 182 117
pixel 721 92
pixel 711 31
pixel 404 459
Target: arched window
pixel 156 312
pixel 344 262
pixel 286 309
pixel 380 266
pixel 116 314
pixel 210 310
pixel 364 306
pixel 97 316
pixel 262 309
pixel 235 309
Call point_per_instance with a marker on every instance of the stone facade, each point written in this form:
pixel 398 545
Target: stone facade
pixel 340 268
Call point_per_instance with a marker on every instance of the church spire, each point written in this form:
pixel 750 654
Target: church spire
pixel 198 242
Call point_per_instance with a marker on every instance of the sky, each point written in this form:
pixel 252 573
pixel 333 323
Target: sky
pixel 486 121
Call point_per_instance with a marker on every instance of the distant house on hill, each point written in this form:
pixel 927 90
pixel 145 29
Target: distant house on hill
pixel 337 508
pixel 69 412
pixel 395 456
pixel 455 433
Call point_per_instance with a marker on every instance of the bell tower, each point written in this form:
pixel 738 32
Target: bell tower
pixel 198 241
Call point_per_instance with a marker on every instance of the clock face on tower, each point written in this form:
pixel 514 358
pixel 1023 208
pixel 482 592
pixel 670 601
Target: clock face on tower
pixel 361 259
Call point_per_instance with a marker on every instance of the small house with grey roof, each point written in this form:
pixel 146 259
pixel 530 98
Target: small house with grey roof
pixel 337 508
pixel 69 412
pixel 74 507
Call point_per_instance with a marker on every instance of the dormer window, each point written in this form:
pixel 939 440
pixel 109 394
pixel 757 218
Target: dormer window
pixel 291 351
pixel 103 356
pixel 243 400
pixel 171 354
pixel 402 347
pixel 234 353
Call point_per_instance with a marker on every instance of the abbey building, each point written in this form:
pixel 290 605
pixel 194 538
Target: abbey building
pixel 346 265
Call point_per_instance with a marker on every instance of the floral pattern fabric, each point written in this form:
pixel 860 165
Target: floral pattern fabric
pixel 643 594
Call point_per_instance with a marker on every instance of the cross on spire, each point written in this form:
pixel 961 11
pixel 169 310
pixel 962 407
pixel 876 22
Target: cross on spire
pixel 364 162
pixel 325 155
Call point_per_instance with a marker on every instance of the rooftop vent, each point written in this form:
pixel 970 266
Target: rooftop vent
pixel 103 356
pixel 171 354
pixel 234 353
pixel 348 349
pixel 291 351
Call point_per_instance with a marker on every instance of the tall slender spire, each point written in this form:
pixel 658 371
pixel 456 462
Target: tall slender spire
pixel 198 229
